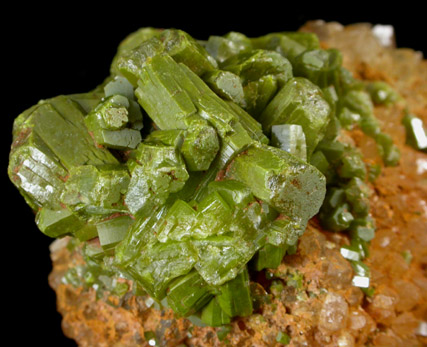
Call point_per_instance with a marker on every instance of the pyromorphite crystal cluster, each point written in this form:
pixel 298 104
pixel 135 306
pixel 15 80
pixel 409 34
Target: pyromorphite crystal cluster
pixel 185 206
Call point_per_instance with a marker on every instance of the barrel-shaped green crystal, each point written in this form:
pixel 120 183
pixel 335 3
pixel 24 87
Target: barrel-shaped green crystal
pixel 280 179
pixel 416 133
pixel 188 294
pixel 299 102
pixel 235 298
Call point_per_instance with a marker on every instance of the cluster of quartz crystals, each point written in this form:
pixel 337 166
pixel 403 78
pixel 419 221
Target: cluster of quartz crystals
pixel 182 209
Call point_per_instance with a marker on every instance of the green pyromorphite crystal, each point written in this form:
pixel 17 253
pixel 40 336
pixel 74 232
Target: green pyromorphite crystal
pixel 234 297
pixel 92 191
pixel 227 85
pixel 213 315
pixel 382 93
pixel 221 254
pixel 49 139
pixel 299 102
pixel 319 66
pixel 200 146
pixel 255 64
pixel 119 86
pixel 416 133
pixel 131 42
pixel 51 142
pixel 179 222
pixel 112 231
pixel 185 209
pixel 174 97
pixel 109 120
pixel 217 264
pixel 288 44
pixel 224 47
pixel 156 171
pixel 87 101
pixel 280 179
pixel 56 223
pixel 158 265
pixel 176 43
pixel 262 73
pixel 290 138
pixel 188 294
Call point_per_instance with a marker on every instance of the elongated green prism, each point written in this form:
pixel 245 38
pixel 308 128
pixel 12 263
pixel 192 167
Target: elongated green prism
pixel 259 93
pixel 176 43
pixel 161 95
pixel 87 101
pixel 258 63
pixel 262 73
pixel 338 219
pixel 319 160
pixel 234 297
pixel 96 190
pixel 357 194
pixel 49 139
pixel 36 172
pixel 234 192
pixel 178 223
pixel 200 146
pixel 188 294
pixel 289 45
pixel 185 49
pixel 269 257
pixel 416 134
pixel 290 138
pixel 227 85
pixel 382 93
pixel 213 315
pixel 114 230
pixel 58 223
pixel 389 152
pixel 363 228
pixel 224 47
pixel 359 102
pixel 119 86
pixel 280 179
pixel 299 102
pixel 58 119
pixel 284 232
pixel 221 258
pixel 215 214
pixel 252 127
pixel 160 264
pixel 131 42
pixel 122 139
pixel 174 97
pixel 156 171
pixel 319 66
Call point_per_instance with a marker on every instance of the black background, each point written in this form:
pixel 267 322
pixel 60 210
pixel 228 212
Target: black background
pixel 51 51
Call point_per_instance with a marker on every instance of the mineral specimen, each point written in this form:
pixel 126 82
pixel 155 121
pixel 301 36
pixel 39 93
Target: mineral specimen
pixel 193 212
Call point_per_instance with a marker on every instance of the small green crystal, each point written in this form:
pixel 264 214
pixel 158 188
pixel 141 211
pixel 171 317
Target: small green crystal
pixel 299 102
pixel 416 133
